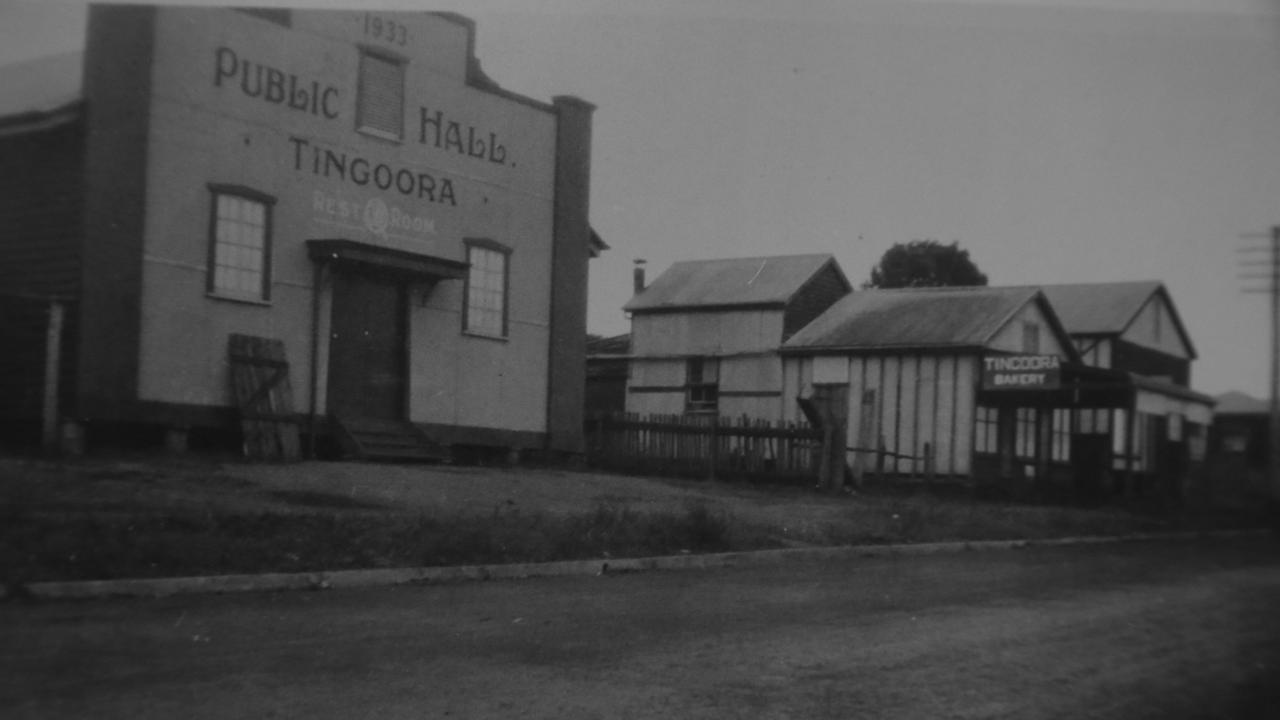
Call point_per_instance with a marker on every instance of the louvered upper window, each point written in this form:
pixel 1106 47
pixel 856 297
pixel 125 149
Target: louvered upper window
pixel 381 102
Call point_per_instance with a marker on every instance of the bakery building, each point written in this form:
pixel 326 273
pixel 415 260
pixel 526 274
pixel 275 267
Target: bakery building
pixel 348 184
pixel 945 382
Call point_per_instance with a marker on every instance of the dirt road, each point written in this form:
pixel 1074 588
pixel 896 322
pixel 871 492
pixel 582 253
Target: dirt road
pixel 1170 630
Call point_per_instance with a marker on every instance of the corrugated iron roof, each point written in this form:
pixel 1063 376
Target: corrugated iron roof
pixel 41 85
pixel 914 318
pixel 1099 308
pixel 1238 403
pixel 729 282
pixel 615 345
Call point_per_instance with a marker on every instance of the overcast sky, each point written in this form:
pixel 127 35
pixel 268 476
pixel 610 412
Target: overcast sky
pixel 1056 140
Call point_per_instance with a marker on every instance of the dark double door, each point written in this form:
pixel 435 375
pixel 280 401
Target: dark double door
pixel 368 352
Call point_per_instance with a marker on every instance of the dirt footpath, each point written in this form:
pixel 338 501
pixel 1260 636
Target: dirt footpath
pixel 1152 630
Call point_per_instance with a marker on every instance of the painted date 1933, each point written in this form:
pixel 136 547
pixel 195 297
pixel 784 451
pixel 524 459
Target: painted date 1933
pixel 386 30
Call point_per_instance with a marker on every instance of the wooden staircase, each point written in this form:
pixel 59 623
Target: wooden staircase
pixel 391 440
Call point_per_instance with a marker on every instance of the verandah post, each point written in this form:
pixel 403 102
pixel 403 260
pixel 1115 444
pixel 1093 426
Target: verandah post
pixel 52 358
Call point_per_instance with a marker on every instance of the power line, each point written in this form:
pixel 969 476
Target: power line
pixel 1272 288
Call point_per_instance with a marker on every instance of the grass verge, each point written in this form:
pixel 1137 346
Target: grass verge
pixel 38 547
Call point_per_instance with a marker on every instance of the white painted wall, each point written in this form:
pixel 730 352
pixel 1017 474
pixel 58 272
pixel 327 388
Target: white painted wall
pixel 918 399
pixel 1154 328
pixel 1009 337
pixel 706 333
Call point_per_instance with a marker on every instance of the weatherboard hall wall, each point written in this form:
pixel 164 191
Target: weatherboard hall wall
pixel 205 127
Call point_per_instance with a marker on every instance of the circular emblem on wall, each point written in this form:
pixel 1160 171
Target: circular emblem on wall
pixel 377 217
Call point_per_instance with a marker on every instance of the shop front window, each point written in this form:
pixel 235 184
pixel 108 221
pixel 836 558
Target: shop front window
pixel 1025 438
pixel 987 436
pixel 1061 449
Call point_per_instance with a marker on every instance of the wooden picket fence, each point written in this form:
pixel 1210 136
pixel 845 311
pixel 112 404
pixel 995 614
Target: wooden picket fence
pixel 706 446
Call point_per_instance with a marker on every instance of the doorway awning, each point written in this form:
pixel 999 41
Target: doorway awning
pixel 365 256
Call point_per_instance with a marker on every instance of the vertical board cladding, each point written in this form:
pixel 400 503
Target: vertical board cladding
pixel 890 416
pixel 117 83
pixel 857 387
pixel 948 444
pixel 909 366
pixel 41 211
pixel 241 101
pixel 791 388
pixel 821 291
pixel 966 384
pixel 926 408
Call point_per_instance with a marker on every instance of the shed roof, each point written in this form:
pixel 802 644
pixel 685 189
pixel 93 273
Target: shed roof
pixel 915 318
pixel 730 282
pixel 40 87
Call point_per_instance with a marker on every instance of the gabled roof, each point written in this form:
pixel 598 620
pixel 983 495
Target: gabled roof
pixel 1238 403
pixel 918 318
pixel 41 91
pixel 758 281
pixel 1100 308
pixel 1110 308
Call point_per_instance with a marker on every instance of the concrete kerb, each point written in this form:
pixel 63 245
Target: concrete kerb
pixel 267 582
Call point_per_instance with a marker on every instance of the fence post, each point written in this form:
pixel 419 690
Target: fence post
pixel 715 445
pixel 52 357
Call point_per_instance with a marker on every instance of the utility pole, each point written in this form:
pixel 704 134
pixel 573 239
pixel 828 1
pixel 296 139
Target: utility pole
pixel 1272 278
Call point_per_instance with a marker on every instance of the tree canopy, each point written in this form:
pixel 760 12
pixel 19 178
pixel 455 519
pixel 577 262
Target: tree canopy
pixel 925 263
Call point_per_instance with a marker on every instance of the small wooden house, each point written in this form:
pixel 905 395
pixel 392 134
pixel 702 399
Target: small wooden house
pixel 705 334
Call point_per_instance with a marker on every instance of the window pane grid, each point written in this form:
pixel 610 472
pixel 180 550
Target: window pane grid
pixel 240 235
pixel 486 292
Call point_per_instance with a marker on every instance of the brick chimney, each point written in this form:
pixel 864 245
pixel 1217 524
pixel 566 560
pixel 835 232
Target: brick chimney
pixel 638 276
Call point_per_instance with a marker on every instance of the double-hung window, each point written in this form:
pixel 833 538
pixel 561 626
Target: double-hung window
pixel 485 312
pixel 380 103
pixel 702 385
pixel 240 244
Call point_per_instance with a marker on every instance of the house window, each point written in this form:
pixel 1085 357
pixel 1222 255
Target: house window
pixel 1030 337
pixel 240 244
pixel 380 103
pixel 486 310
pixel 1025 437
pixel 1061 447
pixel 987 436
pixel 702 385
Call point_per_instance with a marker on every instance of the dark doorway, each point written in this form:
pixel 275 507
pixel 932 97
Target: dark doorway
pixel 1091 458
pixel 367 351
